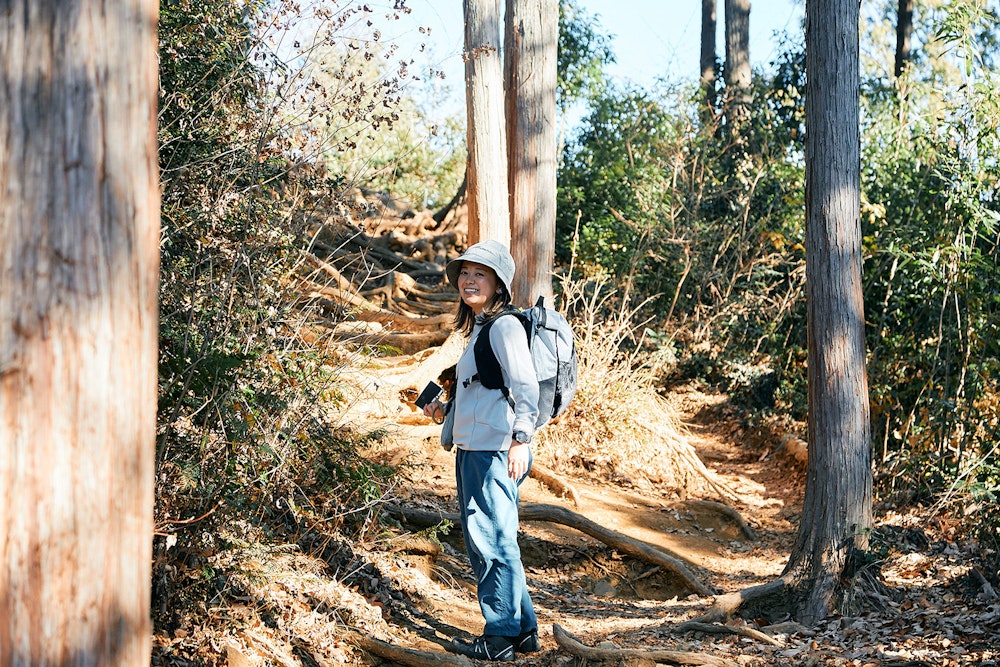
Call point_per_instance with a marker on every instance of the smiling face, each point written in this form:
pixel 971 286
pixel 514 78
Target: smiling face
pixel 477 285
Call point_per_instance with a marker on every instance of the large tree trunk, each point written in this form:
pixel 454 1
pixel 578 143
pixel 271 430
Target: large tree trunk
pixel 904 27
pixel 486 172
pixel 737 68
pixel 837 514
pixel 708 63
pixel 532 37
pixel 79 216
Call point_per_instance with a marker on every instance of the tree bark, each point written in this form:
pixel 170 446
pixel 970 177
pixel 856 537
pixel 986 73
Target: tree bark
pixel 532 37
pixel 79 257
pixel 737 69
pixel 837 512
pixel 708 63
pixel 486 172
pixel 904 28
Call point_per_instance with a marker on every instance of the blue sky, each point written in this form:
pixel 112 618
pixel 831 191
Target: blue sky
pixel 651 38
pixel 662 37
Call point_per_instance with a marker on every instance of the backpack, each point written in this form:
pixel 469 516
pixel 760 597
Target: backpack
pixel 553 354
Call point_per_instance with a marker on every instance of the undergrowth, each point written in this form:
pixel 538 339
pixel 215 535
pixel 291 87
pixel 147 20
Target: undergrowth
pixel 618 425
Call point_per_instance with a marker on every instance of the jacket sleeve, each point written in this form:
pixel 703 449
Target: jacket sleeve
pixel 511 348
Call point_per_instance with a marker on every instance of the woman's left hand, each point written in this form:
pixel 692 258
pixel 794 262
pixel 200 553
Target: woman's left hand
pixel 518 458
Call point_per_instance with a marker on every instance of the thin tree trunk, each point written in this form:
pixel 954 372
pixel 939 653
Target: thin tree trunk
pixel 904 27
pixel 489 209
pixel 79 217
pixel 737 69
pixel 532 36
pixel 459 194
pixel 708 62
pixel 837 513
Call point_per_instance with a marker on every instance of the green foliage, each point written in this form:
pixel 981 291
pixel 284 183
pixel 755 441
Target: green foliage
pixel 710 232
pixel 613 177
pixel 931 234
pixel 583 53
pixel 370 133
pixel 241 401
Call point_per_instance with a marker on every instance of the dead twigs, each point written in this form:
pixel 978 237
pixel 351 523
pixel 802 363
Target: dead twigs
pixel 722 629
pixel 572 645
pixel 406 656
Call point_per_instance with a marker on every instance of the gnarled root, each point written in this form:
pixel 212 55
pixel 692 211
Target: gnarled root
pixel 555 514
pixel 572 645
pixel 406 656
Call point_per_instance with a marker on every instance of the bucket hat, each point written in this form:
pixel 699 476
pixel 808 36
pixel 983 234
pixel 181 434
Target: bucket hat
pixel 488 253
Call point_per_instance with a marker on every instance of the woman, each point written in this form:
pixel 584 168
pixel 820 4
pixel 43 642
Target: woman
pixel 493 439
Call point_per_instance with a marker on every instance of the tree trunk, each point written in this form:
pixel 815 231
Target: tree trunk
pixel 904 27
pixel 737 69
pixel 837 513
pixel 79 216
pixel 459 195
pixel 486 172
pixel 532 37
pixel 708 64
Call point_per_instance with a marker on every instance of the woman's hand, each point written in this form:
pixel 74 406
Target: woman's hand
pixel 518 458
pixel 435 410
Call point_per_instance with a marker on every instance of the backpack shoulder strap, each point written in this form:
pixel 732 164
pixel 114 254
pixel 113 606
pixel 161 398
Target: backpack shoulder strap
pixel 487 365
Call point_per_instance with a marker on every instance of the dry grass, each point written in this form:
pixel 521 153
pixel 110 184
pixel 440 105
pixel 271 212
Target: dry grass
pixel 618 426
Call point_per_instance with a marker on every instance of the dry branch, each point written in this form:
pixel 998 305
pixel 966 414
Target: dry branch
pixel 406 656
pixel 722 508
pixel 560 515
pixel 569 643
pixel 723 629
pixel 555 483
pixel 623 543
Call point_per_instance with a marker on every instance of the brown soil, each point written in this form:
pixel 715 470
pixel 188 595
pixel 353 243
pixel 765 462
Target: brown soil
pixel 602 597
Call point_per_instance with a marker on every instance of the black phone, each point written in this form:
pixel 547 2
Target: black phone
pixel 428 395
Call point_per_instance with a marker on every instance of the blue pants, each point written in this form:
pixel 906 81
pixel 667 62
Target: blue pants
pixel 487 500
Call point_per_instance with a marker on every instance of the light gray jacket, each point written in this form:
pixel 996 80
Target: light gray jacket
pixel 484 420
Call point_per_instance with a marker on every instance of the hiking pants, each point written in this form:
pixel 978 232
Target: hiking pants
pixel 487 500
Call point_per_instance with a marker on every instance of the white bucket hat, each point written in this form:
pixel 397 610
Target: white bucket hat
pixel 488 253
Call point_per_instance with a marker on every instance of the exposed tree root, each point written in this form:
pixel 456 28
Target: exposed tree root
pixel 405 656
pixel 555 514
pixel 725 606
pixel 571 644
pixel 722 508
pixel 723 629
pixel 555 483
pixel 365 310
pixel 627 545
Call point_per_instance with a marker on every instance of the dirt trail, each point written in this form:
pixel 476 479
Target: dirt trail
pixel 580 583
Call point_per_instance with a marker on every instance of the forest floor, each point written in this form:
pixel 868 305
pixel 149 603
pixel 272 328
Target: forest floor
pixel 300 594
pixel 924 605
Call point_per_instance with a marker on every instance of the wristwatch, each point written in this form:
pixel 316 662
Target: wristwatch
pixel 522 437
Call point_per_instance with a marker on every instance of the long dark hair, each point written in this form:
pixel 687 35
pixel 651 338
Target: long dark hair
pixel 465 318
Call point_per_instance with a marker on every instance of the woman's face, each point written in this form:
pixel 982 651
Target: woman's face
pixel 477 285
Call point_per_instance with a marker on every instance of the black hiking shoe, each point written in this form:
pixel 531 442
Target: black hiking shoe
pixel 527 642
pixel 485 647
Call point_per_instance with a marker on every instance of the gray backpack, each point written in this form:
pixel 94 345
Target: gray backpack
pixel 553 354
